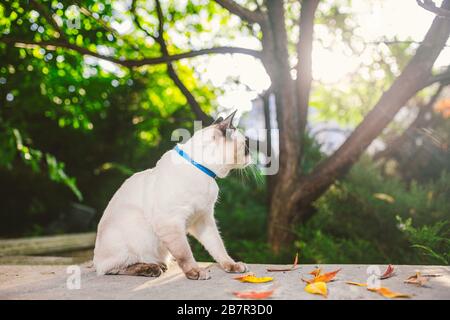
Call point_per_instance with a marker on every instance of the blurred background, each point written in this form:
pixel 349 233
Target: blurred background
pixel 81 109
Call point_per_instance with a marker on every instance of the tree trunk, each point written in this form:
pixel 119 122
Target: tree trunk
pixel 304 65
pixel 294 194
pixel 281 206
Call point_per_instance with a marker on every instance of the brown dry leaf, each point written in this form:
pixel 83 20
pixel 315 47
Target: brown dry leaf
pixel 317 288
pixel 385 292
pixel 293 267
pixel 359 284
pixel 388 273
pixel 417 279
pixel 254 294
pixel 254 279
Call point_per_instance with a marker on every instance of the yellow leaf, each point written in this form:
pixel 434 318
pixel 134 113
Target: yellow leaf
pixel 385 292
pixel 359 284
pixel 384 197
pixel 317 288
pixel 253 279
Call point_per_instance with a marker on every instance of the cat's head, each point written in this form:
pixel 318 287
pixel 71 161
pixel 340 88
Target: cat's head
pixel 222 146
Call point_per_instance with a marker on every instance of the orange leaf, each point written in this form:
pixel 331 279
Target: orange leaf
pixel 316 272
pixel 308 281
pixel 243 276
pixel 443 107
pixel 385 292
pixel 416 279
pixel 356 284
pixel 317 288
pixel 326 277
pixel 253 294
pixel 254 279
pixel 388 273
pixel 293 267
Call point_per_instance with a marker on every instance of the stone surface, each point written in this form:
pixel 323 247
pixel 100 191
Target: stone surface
pixel 50 282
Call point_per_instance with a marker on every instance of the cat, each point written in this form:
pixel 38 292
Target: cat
pixel 147 220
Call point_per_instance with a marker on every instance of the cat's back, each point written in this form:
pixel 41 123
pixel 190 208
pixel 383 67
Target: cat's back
pixel 130 193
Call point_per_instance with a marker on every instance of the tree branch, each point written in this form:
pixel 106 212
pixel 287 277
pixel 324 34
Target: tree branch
pixel 419 121
pixel 195 106
pixel 304 64
pixel 243 13
pixel 52 44
pixel 430 6
pixel 443 78
pixel 411 80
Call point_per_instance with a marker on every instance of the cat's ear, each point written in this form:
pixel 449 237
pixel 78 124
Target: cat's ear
pixel 227 123
pixel 218 120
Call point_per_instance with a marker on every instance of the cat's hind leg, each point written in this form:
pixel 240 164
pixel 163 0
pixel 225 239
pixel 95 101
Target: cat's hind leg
pixel 140 269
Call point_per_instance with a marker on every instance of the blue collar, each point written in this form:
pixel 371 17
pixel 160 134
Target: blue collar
pixel 196 164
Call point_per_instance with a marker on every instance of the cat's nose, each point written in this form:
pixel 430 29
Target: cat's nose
pixel 247 145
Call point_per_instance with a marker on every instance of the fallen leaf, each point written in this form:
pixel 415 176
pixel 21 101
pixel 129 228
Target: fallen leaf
pixel 317 288
pixel 254 279
pixel 293 267
pixel 384 197
pixel 388 273
pixel 243 276
pixel 359 284
pixel 417 279
pixel 318 277
pixel 316 272
pixel 253 294
pixel 326 277
pixel 385 292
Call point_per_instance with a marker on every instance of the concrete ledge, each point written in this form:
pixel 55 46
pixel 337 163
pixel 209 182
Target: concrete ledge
pixel 50 282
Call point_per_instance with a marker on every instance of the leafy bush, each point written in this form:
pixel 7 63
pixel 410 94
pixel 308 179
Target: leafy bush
pixel 432 241
pixel 357 221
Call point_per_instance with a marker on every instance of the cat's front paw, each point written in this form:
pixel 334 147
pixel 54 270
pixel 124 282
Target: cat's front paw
pixel 235 267
pixel 198 274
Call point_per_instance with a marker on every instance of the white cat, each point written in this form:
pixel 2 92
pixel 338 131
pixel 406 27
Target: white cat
pixel 148 218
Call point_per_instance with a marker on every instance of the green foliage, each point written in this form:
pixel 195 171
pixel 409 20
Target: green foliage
pixel 56 173
pixel 433 241
pixel 353 223
pixel 64 115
